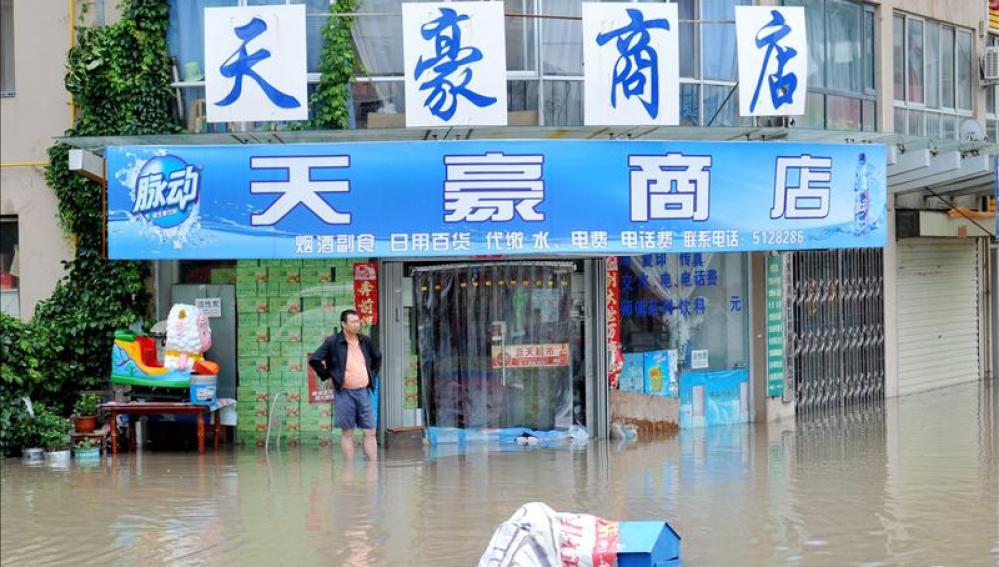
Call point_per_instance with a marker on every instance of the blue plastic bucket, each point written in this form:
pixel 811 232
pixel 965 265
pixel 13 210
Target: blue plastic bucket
pixel 203 389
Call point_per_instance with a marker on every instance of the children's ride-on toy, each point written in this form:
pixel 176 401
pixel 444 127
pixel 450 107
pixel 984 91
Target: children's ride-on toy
pixel 134 361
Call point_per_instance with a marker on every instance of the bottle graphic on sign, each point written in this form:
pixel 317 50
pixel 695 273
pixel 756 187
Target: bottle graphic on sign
pixel 862 196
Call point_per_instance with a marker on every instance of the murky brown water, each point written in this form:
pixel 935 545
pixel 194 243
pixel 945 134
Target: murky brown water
pixel 914 483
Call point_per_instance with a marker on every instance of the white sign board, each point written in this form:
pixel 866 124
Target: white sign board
pixel 632 64
pixel 699 359
pixel 773 60
pixel 455 64
pixel 255 64
pixel 210 306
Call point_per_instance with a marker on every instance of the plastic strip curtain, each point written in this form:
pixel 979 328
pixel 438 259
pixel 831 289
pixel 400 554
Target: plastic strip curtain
pixel 496 345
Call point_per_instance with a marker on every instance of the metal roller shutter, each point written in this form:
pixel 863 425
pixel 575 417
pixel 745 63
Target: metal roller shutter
pixel 938 313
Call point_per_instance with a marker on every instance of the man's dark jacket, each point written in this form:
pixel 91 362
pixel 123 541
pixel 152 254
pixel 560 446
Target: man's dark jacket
pixel 330 360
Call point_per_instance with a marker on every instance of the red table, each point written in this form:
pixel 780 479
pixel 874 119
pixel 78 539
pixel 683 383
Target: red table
pixel 166 408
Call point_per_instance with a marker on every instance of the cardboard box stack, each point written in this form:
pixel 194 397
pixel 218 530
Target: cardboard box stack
pixel 285 308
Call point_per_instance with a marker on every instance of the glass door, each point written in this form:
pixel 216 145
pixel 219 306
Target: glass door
pixel 496 345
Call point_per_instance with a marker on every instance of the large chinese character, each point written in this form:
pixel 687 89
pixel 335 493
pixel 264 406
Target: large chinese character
pixel 636 71
pixel 449 68
pixel 809 198
pixel 673 186
pixel 299 188
pixel 782 86
pixel 492 187
pixel 240 64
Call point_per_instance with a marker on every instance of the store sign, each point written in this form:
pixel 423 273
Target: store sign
pixel 455 63
pixel 497 197
pixel 366 292
pixel 530 356
pixel 632 70
pixel 773 60
pixel 615 356
pixel 255 64
pixel 699 359
pixel 210 306
pixel 775 326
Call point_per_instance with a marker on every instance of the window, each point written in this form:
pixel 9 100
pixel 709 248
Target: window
pixel 186 43
pixel 10 300
pixel 6 47
pixel 544 60
pixel 991 93
pixel 842 91
pixel 932 76
pixel 684 328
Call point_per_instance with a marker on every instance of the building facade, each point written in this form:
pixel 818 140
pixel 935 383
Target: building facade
pixel 858 325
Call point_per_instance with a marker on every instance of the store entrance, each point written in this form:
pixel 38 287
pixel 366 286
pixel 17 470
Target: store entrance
pixel 496 345
pixel 449 379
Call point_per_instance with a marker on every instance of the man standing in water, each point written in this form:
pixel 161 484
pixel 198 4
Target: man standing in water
pixel 351 361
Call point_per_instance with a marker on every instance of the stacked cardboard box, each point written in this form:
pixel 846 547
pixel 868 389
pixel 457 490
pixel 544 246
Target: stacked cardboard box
pixel 286 308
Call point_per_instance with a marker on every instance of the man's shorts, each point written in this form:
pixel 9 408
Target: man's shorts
pixel 352 409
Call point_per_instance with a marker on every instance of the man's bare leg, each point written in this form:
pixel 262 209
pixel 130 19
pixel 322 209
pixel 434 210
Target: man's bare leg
pixel 370 445
pixel 347 444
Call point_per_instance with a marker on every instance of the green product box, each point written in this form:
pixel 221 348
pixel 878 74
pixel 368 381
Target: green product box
pixel 270 289
pixel 313 318
pixel 245 395
pixel 256 304
pixel 316 275
pixel 245 322
pixel 293 365
pixel 292 412
pixel 247 347
pixel 296 350
pixel 246 304
pixel 269 349
pixel 246 263
pixel 289 304
pixel 290 288
pixel 289 334
pixel 253 366
pixel 284 274
pixel 311 302
pixel 291 263
pixel 294 380
pixel 271 319
pixel 246 273
pixel 269 263
pixel 260 424
pixel 311 334
pixel 248 289
pixel 292 319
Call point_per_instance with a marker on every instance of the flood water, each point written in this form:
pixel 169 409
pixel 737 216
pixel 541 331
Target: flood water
pixel 915 482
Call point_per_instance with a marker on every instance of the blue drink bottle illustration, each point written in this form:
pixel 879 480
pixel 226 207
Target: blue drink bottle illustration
pixel 861 196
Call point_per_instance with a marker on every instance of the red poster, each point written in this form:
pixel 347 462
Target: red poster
pixel 366 292
pixel 615 359
pixel 317 395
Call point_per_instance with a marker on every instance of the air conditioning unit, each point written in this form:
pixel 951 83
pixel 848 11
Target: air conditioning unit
pixel 990 63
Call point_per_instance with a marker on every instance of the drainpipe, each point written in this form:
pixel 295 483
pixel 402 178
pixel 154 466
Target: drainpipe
pixel 72 41
pixel 24 164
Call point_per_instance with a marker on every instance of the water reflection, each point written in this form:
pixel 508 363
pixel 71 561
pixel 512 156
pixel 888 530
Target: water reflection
pixel 914 482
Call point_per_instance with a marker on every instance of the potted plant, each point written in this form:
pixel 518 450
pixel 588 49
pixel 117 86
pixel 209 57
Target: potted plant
pixel 54 432
pixel 85 413
pixel 87 450
pixel 30 438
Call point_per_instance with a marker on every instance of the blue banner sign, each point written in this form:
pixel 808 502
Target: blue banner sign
pixel 503 197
